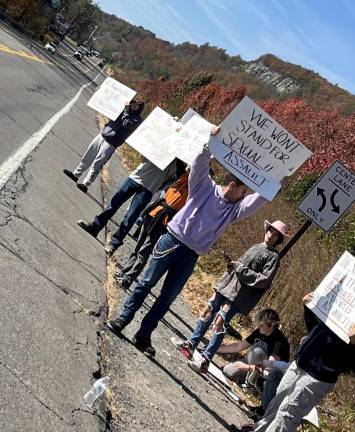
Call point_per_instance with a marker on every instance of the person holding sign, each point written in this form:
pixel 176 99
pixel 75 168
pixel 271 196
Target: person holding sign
pixel 209 210
pixel 142 185
pixel 321 358
pixel 238 291
pixel 113 135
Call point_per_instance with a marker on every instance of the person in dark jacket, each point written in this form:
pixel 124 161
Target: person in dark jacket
pixel 321 358
pixel 238 291
pixel 158 215
pixel 113 135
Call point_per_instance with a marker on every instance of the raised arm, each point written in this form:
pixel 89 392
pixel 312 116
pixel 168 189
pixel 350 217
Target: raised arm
pixel 129 123
pixel 200 169
pixel 254 279
pixel 249 205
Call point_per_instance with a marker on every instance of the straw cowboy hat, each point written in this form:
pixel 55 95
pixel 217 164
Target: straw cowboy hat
pixel 278 226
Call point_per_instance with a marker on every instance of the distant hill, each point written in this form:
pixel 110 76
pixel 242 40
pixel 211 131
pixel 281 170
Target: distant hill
pixel 138 50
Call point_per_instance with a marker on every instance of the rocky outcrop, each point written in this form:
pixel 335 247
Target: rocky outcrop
pixel 281 83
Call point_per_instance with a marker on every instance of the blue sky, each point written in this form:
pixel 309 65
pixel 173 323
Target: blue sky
pixel 317 34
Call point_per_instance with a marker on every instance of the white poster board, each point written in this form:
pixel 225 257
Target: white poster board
pixel 110 98
pixel 189 141
pixel 334 299
pixel 188 114
pixel 255 148
pixel 148 137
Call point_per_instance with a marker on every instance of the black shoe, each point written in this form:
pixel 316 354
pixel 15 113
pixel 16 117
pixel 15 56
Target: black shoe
pixel 256 413
pixel 110 249
pixel 116 326
pixel 123 281
pixel 144 345
pixel 70 175
pixel 82 187
pixel 89 228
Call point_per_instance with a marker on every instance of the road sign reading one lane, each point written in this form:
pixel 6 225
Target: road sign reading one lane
pixel 330 197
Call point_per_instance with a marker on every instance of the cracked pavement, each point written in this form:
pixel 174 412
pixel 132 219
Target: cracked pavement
pixel 52 274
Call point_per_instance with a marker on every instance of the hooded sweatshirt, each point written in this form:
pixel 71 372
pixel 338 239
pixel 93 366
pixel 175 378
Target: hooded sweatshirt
pixel 115 132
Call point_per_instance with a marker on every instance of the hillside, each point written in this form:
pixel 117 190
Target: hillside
pixel 139 51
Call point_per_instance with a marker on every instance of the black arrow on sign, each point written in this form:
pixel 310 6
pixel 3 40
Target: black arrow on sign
pixel 320 192
pixel 336 208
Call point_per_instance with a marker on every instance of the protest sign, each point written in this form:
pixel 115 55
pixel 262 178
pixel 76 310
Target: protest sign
pixel 188 114
pixel 110 98
pixel 255 148
pixel 188 142
pixel 148 137
pixel 334 299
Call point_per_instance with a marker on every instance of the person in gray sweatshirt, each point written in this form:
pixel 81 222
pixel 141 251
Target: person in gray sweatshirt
pixel 102 147
pixel 238 291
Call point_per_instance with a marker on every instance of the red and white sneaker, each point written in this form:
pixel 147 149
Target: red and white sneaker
pixel 185 346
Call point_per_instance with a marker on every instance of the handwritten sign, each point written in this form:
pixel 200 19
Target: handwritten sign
pixel 188 142
pixel 334 299
pixel 257 149
pixel 148 138
pixel 110 98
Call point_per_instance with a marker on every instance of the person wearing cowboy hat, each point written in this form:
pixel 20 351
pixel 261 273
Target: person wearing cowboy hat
pixel 239 289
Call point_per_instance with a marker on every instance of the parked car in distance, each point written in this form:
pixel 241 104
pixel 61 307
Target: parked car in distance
pixel 51 47
pixel 80 52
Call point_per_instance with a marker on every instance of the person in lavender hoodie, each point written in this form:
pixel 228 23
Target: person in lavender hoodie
pixel 209 210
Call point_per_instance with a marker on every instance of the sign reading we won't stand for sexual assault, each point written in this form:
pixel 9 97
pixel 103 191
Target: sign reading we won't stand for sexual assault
pixel 255 148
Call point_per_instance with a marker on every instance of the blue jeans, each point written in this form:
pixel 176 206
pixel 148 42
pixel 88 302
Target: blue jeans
pixel 142 196
pixel 216 308
pixel 178 261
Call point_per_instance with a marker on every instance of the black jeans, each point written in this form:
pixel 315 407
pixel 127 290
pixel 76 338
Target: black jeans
pixel 128 188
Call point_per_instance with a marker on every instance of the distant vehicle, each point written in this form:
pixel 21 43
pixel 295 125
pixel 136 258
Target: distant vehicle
pixel 80 52
pixel 51 47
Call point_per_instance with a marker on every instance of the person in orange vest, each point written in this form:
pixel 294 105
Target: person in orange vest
pixel 157 216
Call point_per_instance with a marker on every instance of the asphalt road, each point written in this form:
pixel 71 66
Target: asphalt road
pixel 33 89
pixel 51 273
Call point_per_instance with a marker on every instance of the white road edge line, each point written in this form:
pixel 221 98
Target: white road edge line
pixel 13 163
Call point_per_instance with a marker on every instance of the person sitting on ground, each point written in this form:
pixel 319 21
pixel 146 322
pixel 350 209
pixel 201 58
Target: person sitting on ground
pixel 321 358
pixel 209 210
pixel 268 338
pixel 238 291
pixel 154 225
pixel 113 135
pixel 142 184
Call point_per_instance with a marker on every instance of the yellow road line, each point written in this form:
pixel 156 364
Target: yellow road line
pixel 22 53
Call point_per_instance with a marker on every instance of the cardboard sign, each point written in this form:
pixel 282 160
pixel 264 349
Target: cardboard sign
pixel 188 142
pixel 255 148
pixel 247 172
pixel 189 113
pixel 147 139
pixel 334 299
pixel 110 98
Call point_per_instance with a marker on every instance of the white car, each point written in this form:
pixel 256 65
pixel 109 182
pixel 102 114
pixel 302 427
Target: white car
pixel 49 46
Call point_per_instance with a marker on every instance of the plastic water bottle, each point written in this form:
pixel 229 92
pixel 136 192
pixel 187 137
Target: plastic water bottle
pixel 95 392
